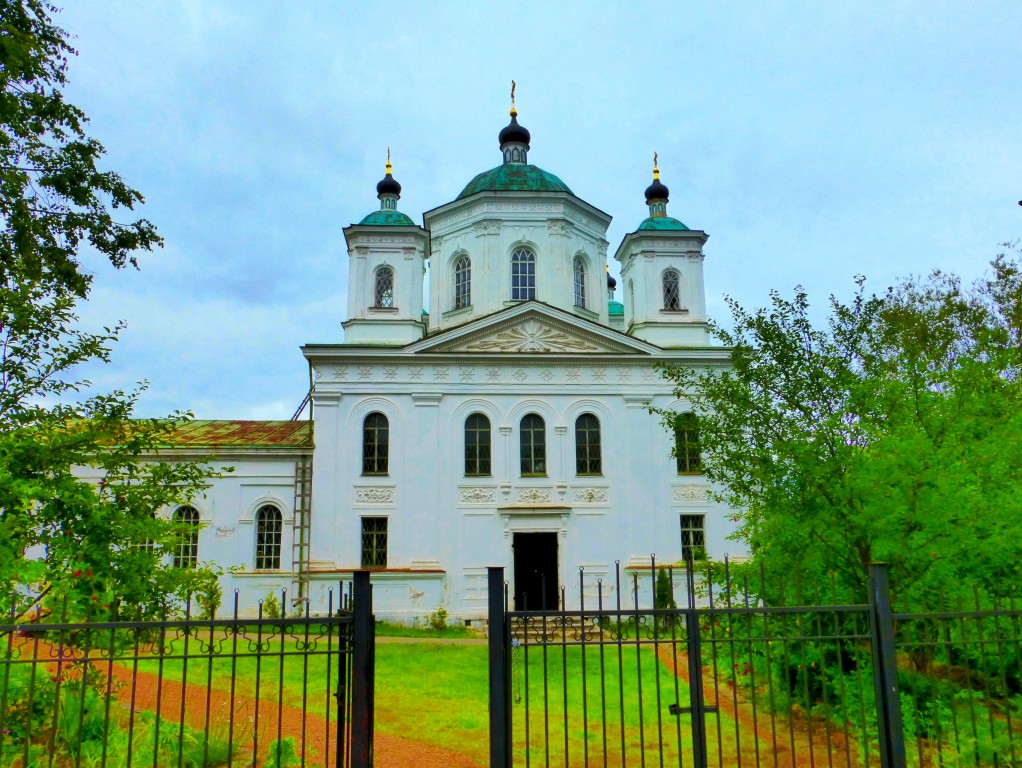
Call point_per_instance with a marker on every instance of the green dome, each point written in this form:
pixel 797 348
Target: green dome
pixel 515 177
pixel 387 219
pixel 615 308
pixel 662 223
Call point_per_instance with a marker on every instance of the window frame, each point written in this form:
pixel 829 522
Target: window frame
pixel 462 282
pixel 523 268
pixel 372 555
pixel 687 453
pixel 588 445
pixel 478 426
pixel 532 445
pixel 269 538
pixel 579 279
pixel 186 554
pixel 693 537
pixel 672 291
pixel 376 451
pixel 383 287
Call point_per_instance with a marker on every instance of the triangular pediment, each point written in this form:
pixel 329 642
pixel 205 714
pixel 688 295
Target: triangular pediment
pixel 533 329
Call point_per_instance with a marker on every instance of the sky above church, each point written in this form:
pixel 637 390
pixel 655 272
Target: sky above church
pixel 812 141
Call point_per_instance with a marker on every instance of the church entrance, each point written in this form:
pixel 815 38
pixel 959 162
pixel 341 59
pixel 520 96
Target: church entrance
pixel 537 587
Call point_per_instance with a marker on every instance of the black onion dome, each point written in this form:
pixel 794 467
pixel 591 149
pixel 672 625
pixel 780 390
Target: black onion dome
pixel 657 191
pixel 611 282
pixel 388 186
pixel 514 132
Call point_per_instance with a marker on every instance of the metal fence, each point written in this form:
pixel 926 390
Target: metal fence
pixel 728 680
pixel 132 691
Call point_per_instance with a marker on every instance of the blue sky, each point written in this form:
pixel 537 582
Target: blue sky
pixel 812 141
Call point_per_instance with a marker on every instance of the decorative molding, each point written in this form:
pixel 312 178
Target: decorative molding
pixel 415 373
pixel 440 373
pixel 374 495
pixel 572 375
pixel 476 495
pixel 599 375
pixel 365 372
pixel 590 495
pixel 690 493
pixel 427 399
pixel 532 336
pixel 546 374
pixel 521 374
pixel 390 373
pixel 493 374
pixel 624 374
pixel 487 227
pixel 533 495
pixel 558 227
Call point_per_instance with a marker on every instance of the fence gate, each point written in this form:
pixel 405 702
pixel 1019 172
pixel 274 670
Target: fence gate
pixel 628 678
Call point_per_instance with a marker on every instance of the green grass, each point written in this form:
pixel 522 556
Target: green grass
pixel 386 629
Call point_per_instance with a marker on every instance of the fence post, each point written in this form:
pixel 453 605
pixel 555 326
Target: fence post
pixel 697 701
pixel 362 673
pixel 885 672
pixel 500 712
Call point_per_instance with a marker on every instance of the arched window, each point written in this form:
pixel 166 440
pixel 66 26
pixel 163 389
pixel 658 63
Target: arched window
pixel 187 554
pixel 580 283
pixel 477 445
pixel 672 293
pixel 269 525
pixel 463 282
pixel 533 441
pixel 523 275
pixel 686 443
pixel 383 290
pixel 587 445
pixel 375 444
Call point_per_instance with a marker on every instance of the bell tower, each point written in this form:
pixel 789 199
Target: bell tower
pixel 662 276
pixel 386 264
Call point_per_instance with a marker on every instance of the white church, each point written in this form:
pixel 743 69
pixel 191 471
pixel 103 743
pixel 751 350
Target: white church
pixel 506 424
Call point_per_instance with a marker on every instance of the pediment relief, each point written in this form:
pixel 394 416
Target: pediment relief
pixel 533 335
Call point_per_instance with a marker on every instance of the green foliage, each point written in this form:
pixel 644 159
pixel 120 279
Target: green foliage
pixel 53 195
pixel 271 606
pixel 437 620
pixel 283 754
pixel 892 432
pixel 101 543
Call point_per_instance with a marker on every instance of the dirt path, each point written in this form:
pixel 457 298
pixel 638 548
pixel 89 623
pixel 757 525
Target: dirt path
pixel 271 719
pixel 778 741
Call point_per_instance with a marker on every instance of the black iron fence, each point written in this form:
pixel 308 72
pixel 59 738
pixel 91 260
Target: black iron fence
pixel 116 690
pixel 629 678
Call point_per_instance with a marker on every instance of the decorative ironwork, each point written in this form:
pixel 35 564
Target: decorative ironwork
pixel 383 290
pixel 115 686
pixel 374 542
pixel 672 290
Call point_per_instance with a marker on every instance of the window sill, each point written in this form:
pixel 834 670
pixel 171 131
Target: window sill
pixel 697 473
pixel 588 474
pixel 458 311
pixel 375 474
pixel 471 477
pixel 534 474
pixel 673 311
pixel 384 310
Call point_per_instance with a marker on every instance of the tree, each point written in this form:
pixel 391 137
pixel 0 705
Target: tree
pixel 53 196
pixel 60 536
pixel 892 433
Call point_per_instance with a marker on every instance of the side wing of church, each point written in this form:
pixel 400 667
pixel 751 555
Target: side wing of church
pixel 508 425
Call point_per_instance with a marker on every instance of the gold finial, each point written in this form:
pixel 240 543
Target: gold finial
pixel 389 166
pixel 656 171
pixel 514 112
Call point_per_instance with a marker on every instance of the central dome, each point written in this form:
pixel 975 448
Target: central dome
pixel 514 177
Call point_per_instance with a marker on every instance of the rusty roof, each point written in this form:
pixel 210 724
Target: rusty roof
pixel 279 434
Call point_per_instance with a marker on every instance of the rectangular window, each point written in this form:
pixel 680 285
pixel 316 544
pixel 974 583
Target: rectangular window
pixel 374 542
pixel 477 445
pixel 693 538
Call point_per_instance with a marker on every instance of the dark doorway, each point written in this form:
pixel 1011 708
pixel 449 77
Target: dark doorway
pixel 536 584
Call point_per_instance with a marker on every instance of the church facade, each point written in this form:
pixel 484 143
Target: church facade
pixel 506 423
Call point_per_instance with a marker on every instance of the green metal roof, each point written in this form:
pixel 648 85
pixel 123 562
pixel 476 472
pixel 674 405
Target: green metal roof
pixel 515 177
pixel 615 308
pixel 208 434
pixel 387 219
pixel 662 223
